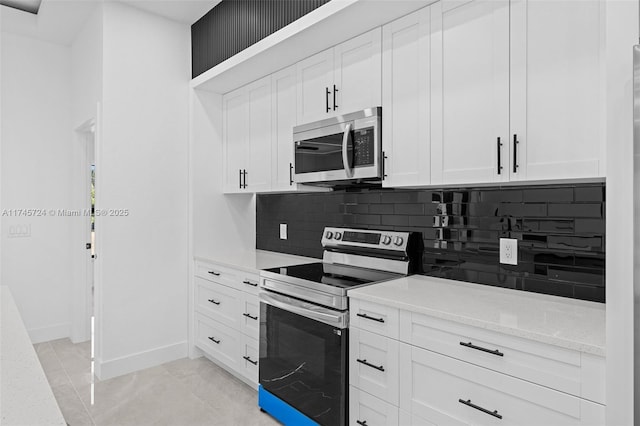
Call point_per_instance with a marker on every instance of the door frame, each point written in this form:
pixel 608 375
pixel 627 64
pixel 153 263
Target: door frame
pixel 81 298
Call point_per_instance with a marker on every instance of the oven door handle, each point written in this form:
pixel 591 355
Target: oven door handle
pixel 345 151
pixel 319 313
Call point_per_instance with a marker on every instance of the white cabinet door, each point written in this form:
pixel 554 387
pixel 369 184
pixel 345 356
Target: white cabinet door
pixel 258 175
pixel 445 391
pixel 557 98
pixel 470 67
pixel 315 87
pixel 365 409
pixel 234 106
pixel 373 364
pixel 283 116
pixel 357 74
pixel 405 100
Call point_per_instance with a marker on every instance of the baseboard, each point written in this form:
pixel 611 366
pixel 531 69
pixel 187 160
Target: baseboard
pixel 52 332
pixel 141 360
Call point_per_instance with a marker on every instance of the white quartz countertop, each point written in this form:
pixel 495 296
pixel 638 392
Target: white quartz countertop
pixel 255 260
pixel 25 395
pixel 569 323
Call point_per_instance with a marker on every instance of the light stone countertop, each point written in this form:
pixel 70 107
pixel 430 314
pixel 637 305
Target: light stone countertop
pixel 568 323
pixel 255 260
pixel 25 395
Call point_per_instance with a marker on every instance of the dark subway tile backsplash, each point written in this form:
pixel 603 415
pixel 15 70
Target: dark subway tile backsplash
pixel 560 231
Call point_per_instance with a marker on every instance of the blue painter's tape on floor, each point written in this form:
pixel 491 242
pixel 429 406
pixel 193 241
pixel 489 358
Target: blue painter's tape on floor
pixel 282 411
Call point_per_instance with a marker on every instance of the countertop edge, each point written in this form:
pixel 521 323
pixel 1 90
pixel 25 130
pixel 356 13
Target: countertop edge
pixel 586 348
pixel 284 259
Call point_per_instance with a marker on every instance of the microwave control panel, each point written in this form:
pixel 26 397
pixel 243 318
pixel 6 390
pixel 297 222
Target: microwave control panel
pixel 364 145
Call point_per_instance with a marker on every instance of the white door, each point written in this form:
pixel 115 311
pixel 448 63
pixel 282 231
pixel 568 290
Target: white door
pixel 235 115
pixel 258 172
pixel 283 116
pixel 557 96
pixel 405 100
pixel 357 75
pixel 315 87
pixel 471 71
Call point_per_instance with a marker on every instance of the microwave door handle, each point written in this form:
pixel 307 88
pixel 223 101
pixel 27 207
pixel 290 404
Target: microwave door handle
pixel 345 152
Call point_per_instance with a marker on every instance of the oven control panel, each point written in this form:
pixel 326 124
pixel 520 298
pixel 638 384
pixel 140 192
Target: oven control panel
pixel 384 240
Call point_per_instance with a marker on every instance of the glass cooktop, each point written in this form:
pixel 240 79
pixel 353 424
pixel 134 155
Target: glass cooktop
pixel 334 275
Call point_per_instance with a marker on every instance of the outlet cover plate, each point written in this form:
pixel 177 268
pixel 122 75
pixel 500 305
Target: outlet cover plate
pixel 283 231
pixel 509 251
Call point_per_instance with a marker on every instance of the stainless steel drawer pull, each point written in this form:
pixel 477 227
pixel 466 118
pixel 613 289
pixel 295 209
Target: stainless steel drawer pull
pixel 468 403
pixel 364 361
pixel 250 360
pixel 480 348
pixel 362 422
pixel 370 318
pixel 215 302
pixel 217 342
pixel 217 274
pixel 251 283
pixel 250 316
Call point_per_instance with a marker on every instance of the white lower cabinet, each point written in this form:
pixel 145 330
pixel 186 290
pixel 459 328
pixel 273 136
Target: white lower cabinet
pixel 226 318
pixel 218 340
pixel 373 364
pixel 416 369
pixel 250 356
pixel 441 390
pixel 367 410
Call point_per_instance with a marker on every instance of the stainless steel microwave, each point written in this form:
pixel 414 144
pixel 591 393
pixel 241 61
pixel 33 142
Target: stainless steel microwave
pixel 339 150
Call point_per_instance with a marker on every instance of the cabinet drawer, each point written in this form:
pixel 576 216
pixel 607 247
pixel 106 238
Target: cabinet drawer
pixel 558 368
pixel 250 315
pixel 248 283
pixel 444 390
pixel 215 273
pixel 373 364
pixel 249 357
pixel 365 409
pixel 373 317
pixel 219 302
pixel 218 340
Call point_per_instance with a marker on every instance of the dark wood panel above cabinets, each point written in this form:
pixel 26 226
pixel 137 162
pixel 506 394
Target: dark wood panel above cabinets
pixel 234 25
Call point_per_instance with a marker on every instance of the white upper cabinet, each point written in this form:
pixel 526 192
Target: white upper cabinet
pixel 471 91
pixel 340 80
pixel 406 100
pixel 357 74
pixel 283 116
pixel 247 138
pixel 234 107
pixel 517 91
pixel 258 172
pixel 557 95
pixel 315 87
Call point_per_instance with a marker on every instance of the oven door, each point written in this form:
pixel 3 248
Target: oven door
pixel 303 357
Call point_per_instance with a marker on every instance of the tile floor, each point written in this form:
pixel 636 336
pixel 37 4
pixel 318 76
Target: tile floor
pixel 183 392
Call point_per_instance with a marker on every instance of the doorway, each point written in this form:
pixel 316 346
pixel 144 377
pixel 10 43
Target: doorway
pixel 85 233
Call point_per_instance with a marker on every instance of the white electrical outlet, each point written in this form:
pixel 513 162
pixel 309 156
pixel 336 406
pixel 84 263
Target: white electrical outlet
pixel 283 231
pixel 509 251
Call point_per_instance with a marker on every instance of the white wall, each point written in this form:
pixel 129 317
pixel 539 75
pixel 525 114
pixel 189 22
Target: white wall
pixel 142 166
pixel 36 156
pixel 86 70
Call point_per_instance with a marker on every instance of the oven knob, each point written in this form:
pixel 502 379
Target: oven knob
pixel 398 241
pixel 386 240
pixel 338 235
pixel 328 235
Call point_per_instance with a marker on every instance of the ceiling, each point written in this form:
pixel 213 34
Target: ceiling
pixel 59 21
pixel 185 11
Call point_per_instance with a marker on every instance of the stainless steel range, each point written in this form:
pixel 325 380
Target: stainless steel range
pixel 304 320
